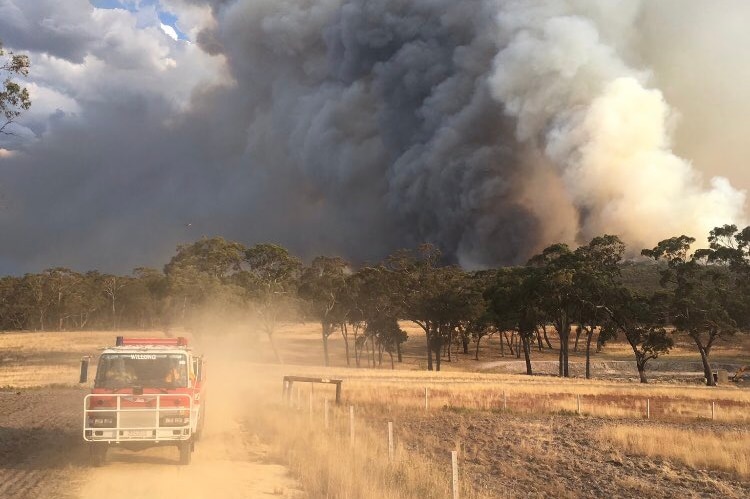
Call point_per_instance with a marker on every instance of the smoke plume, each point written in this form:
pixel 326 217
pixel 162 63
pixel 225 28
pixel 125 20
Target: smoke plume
pixel 491 128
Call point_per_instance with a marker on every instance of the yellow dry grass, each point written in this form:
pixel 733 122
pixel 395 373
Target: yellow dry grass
pixel 328 465
pixel 726 451
pixel 45 358
pixel 30 359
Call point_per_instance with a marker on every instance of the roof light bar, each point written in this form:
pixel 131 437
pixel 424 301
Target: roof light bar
pixel 180 341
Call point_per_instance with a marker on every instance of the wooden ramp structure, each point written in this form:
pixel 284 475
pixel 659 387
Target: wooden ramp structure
pixel 286 394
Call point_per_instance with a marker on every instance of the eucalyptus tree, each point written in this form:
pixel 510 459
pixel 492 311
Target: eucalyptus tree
pixel 322 286
pixel 515 303
pixel 386 334
pixel 270 276
pixel 641 320
pixel 373 304
pixel 149 294
pixel 729 248
pixel 701 295
pixel 200 276
pixel 414 273
pixel 558 294
pixel 449 300
pixel 14 98
pixel 597 279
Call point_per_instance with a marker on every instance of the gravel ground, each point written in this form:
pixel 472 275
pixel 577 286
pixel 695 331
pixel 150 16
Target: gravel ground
pixel 510 455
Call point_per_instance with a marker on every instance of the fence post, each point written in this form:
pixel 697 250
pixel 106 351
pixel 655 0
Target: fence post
pixel 351 425
pixel 325 413
pixel 505 401
pixel 454 464
pixel 426 400
pixel 648 408
pixel 713 411
pixel 578 405
pixel 390 440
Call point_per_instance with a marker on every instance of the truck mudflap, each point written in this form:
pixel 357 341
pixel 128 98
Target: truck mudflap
pixel 124 417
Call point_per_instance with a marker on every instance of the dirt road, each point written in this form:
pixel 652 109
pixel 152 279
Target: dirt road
pixel 42 455
pixel 227 463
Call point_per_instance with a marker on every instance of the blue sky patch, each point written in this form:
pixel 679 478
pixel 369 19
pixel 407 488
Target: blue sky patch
pixel 165 17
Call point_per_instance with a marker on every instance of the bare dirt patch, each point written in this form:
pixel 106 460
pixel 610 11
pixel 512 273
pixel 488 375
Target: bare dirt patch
pixel 41 453
pixel 510 455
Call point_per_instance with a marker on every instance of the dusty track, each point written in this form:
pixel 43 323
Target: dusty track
pixel 42 455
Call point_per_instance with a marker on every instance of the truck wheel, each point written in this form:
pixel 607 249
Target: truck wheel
pixel 185 451
pixel 98 453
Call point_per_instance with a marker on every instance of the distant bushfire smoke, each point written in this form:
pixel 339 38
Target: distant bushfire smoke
pixel 491 128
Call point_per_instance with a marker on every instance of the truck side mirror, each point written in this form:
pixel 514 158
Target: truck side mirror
pixel 84 369
pixel 199 369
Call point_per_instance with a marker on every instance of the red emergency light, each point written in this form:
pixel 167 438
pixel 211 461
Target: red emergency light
pixel 180 341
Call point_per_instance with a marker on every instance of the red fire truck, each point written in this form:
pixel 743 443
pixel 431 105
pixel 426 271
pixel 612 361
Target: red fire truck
pixel 147 392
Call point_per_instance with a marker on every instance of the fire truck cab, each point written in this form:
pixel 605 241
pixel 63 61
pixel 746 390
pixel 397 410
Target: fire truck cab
pixel 147 392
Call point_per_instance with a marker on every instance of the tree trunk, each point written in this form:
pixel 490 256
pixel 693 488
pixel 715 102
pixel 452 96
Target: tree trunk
pixel 391 354
pixel 578 336
pixel 428 335
pixel 345 335
pixel 367 353
pixel 398 351
pixel 546 339
pixel 564 335
pixel 357 349
pixel 707 371
pixel 476 354
pixel 502 344
pixel 276 352
pixel 642 371
pixel 507 340
pixel 539 339
pixel 589 336
pixel 450 344
pixel 114 314
pixel 465 340
pixel 325 326
pixel 527 353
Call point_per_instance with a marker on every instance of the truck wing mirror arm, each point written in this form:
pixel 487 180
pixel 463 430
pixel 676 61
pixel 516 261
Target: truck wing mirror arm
pixel 84 369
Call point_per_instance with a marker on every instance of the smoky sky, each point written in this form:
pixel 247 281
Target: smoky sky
pixel 490 128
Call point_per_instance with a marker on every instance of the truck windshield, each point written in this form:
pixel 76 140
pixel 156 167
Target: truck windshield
pixel 147 370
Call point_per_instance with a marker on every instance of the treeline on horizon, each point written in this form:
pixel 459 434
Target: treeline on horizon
pixel 581 293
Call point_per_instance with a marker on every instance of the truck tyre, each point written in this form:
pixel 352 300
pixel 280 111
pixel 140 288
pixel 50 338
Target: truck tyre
pixel 185 451
pixel 98 453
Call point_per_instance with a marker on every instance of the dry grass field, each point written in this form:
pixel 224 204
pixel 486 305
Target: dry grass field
pixel 516 436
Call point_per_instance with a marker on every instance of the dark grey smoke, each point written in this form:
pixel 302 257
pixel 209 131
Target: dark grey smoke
pixel 331 126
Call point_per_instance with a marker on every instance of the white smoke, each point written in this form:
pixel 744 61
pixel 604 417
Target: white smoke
pixel 596 119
